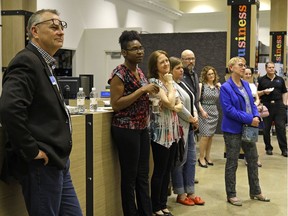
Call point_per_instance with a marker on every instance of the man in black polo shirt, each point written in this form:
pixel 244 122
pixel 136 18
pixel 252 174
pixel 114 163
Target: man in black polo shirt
pixel 273 94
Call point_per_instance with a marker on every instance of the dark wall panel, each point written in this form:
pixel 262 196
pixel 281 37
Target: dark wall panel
pixel 209 49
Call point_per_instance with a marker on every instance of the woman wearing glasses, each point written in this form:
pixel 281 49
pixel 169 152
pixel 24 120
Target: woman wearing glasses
pixel 130 101
pixel 238 109
pixel 208 117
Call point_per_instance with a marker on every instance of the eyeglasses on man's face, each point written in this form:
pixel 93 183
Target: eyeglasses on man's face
pixel 188 59
pixel 136 49
pixel 56 22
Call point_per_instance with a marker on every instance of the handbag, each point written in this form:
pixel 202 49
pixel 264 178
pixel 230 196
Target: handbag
pixel 179 155
pixel 263 110
pixel 249 133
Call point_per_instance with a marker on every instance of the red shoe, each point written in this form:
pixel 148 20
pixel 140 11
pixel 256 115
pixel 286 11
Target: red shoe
pixel 187 201
pixel 197 200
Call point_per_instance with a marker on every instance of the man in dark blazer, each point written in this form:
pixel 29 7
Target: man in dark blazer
pixel 37 122
pixel 190 77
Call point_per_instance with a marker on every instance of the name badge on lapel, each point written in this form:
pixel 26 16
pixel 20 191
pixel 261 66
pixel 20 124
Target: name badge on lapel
pixel 53 80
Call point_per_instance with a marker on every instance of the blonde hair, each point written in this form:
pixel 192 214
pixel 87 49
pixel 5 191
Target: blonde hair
pixel 233 61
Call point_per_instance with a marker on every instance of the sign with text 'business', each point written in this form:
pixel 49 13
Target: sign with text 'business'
pixel 240 31
pixel 277 54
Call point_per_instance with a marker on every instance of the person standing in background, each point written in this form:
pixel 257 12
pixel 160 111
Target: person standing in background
pixel 130 101
pixel 249 78
pixel 273 94
pixel 208 117
pixel 37 121
pixel 190 78
pixel 238 109
pixel 164 128
pixel 183 172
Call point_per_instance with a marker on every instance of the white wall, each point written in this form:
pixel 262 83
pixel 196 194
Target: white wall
pixel 91 14
pixel 94 27
pixel 92 57
pixel 213 22
pixel 264 27
pixel 205 22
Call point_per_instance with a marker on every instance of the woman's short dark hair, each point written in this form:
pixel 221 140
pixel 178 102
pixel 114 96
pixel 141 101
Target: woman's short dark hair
pixel 128 36
pixel 174 61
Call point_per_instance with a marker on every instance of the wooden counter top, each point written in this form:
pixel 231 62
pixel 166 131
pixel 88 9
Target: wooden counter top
pixel 95 155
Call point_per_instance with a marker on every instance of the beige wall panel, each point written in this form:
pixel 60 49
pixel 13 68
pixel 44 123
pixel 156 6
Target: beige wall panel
pixel 13 37
pixel 11 200
pixel 228 44
pixel 278 15
pixel 78 159
pixel 106 168
pixel 10 193
pixel 28 5
pixel 253 35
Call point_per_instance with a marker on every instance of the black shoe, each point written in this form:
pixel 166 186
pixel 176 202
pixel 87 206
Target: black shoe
pixel 155 214
pixel 284 153
pixel 167 213
pixel 269 152
pixel 196 181
pixel 202 165
pixel 209 163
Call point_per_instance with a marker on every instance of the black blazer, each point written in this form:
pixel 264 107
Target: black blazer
pixel 193 86
pixel 32 112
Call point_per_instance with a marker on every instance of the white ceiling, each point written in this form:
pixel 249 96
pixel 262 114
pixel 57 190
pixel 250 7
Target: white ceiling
pixel 202 6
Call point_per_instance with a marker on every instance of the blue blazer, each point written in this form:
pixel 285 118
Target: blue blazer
pixel 234 113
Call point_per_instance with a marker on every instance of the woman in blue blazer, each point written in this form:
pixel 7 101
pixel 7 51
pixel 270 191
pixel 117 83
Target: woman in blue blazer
pixel 238 108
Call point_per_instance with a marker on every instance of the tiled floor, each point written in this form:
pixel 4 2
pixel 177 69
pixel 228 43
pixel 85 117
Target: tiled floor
pixel 273 181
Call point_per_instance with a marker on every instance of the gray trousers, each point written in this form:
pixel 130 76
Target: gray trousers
pixel 233 145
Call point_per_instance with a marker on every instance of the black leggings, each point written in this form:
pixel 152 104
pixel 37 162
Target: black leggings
pixel 163 159
pixel 134 151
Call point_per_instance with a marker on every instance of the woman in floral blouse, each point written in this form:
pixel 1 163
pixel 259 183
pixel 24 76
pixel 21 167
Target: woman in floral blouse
pixel 164 129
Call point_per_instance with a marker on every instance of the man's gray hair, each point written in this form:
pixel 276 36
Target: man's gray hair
pixel 36 18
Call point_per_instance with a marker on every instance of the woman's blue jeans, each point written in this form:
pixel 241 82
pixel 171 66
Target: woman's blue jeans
pixel 183 176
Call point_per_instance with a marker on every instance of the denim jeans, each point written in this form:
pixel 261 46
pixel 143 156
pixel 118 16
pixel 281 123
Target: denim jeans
pixel 233 145
pixel 49 191
pixel 183 176
pixel 134 152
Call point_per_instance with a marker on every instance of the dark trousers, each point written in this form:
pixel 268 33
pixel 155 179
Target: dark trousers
pixel 233 145
pixel 163 159
pixel 277 113
pixel 49 191
pixel 134 152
